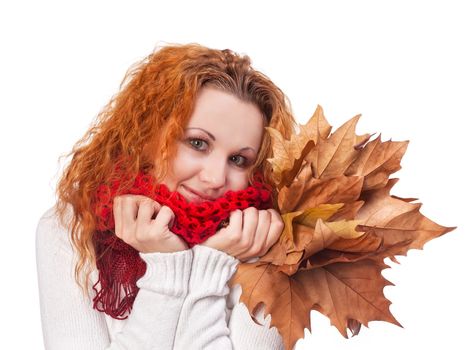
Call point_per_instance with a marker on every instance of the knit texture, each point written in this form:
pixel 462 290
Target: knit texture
pixel 120 265
pixel 172 311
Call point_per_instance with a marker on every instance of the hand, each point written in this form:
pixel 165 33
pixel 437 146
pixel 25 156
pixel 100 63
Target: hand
pixel 251 232
pixel 134 224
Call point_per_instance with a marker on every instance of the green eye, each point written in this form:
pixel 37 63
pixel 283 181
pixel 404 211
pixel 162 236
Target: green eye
pixel 242 163
pixel 197 143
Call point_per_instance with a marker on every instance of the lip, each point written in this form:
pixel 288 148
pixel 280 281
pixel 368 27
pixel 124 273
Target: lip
pixel 196 195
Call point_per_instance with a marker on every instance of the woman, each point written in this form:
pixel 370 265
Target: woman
pixel 192 119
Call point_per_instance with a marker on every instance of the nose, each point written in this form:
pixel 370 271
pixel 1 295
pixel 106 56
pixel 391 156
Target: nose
pixel 213 174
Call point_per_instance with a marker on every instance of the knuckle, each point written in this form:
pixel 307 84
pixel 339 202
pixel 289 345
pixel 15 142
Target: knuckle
pixel 272 212
pixel 236 238
pixel 264 251
pixel 146 203
pixel 126 199
pixel 251 210
pixel 277 221
pixel 244 244
pixel 231 241
pixel 250 241
pixel 280 224
pixel 276 230
pixel 146 200
pixel 166 209
pixel 257 249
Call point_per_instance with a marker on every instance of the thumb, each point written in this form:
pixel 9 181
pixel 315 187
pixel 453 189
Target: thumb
pixel 171 215
pixel 165 217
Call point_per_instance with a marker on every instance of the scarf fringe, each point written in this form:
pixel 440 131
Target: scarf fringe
pixel 109 299
pixel 115 288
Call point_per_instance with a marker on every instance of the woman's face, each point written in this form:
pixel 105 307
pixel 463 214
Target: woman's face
pixel 220 144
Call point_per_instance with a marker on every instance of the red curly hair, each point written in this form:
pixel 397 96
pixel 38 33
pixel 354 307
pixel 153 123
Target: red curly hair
pixel 142 122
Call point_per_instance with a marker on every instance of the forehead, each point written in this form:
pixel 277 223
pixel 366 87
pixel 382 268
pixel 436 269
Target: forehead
pixel 220 110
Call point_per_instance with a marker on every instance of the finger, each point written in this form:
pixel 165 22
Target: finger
pixel 235 223
pixel 117 211
pixel 157 208
pixel 250 223
pixel 140 205
pixel 137 197
pixel 146 209
pixel 164 219
pixel 233 232
pixel 262 231
pixel 128 214
pixel 276 228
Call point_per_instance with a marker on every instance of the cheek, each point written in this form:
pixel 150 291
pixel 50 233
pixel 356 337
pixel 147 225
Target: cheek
pixel 184 165
pixel 238 181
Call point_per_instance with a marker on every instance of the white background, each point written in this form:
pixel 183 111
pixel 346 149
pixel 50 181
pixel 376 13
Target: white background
pixel 401 64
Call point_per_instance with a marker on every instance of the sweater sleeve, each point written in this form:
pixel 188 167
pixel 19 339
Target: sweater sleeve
pixel 68 319
pixel 204 320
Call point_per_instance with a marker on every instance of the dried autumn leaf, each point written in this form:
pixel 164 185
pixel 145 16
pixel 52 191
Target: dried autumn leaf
pixel 341 222
pixel 348 211
pixel 348 291
pixel 324 211
pixel 339 189
pixel 377 161
pixel 331 157
pixel 317 127
pixel 397 221
pixel 298 231
pixel 345 228
pixel 333 290
pixel 288 154
pixel 287 234
pixel 280 293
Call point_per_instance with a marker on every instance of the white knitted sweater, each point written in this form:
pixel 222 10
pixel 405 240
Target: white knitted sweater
pixel 184 302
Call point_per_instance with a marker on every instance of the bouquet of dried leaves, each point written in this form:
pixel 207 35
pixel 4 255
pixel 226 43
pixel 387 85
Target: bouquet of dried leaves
pixel 341 222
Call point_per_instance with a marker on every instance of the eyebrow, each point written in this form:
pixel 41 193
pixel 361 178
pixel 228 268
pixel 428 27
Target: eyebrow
pixel 214 139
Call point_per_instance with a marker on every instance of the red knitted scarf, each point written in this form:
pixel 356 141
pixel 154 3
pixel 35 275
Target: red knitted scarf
pixel 120 265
